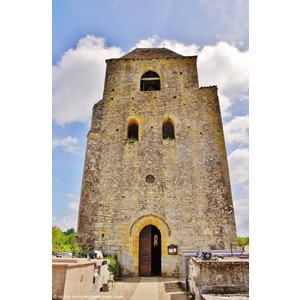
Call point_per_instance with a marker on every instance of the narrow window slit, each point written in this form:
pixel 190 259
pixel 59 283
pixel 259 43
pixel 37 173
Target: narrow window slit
pixel 133 131
pixel 168 130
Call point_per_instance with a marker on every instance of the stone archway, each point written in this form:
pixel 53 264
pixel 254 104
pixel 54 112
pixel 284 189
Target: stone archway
pixel 138 225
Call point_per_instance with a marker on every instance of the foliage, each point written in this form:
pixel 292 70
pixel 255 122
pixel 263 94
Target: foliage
pixel 69 231
pixel 76 249
pixel 63 241
pixel 169 139
pixel 242 241
pixel 132 139
pixel 113 266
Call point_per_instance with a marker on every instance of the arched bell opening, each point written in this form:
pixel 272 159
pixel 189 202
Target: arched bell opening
pixel 150 81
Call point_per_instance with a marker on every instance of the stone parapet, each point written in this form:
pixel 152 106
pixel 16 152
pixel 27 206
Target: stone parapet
pixel 72 278
pixel 226 276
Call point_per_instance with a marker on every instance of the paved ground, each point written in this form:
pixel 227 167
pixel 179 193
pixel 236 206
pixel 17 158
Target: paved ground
pixel 145 288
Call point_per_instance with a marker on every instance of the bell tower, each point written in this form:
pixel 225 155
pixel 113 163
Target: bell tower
pixel 156 171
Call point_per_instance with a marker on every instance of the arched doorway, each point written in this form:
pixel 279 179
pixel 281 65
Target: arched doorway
pixel 150 251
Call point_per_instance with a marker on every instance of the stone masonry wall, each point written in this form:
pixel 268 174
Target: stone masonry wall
pixel 218 277
pixel 191 193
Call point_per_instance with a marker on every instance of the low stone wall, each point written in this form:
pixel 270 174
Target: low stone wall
pixel 226 276
pixel 184 267
pixel 101 275
pixel 71 277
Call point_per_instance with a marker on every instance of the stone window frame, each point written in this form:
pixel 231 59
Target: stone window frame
pixel 154 80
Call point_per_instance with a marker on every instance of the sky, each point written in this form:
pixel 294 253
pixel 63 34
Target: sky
pixel 85 33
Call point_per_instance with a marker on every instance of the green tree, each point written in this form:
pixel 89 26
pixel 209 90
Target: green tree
pixel 70 239
pixel 58 237
pixel 242 240
pixel 63 241
pixel 69 231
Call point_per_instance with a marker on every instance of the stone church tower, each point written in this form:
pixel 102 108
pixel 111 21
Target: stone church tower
pixel 156 171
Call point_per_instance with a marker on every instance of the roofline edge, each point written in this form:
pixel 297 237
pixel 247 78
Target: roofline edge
pixel 184 57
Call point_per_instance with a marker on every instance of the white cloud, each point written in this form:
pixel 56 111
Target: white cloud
pixel 73 206
pixel 178 47
pixel 228 68
pixel 241 211
pixel 238 162
pixel 230 18
pixel 73 196
pixel 150 42
pixel 66 222
pixel 67 144
pixel 225 104
pixel 225 66
pixel 78 79
pixel 236 131
pixel 69 221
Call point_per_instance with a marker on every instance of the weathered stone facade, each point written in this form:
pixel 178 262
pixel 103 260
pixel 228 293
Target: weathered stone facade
pixel 190 199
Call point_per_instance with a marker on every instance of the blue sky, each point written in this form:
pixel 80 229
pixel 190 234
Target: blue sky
pixel 124 22
pixel 85 33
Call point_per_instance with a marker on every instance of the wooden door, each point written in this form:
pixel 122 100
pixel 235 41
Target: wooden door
pixel 145 252
pixel 150 252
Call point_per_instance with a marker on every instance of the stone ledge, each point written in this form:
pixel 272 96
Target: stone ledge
pixel 70 264
pixel 223 297
pixel 227 260
pixel 208 87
